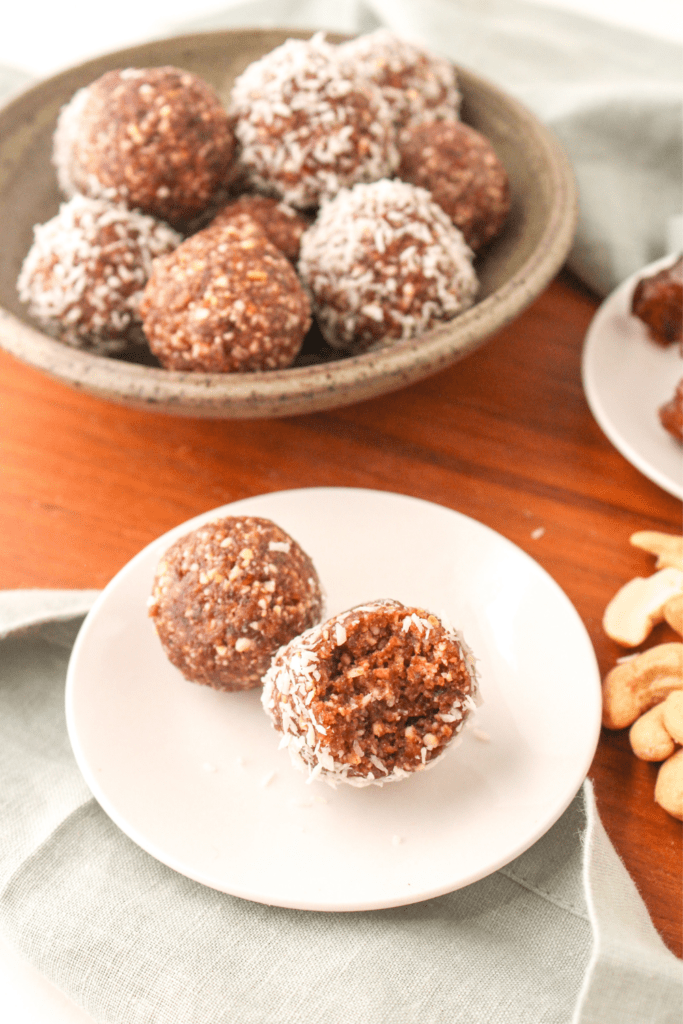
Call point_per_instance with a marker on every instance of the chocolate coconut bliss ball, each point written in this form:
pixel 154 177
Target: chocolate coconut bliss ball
pixel 228 595
pixel 372 695
pixel 309 125
pixel 84 275
pixel 417 84
pixel 384 262
pixel 156 139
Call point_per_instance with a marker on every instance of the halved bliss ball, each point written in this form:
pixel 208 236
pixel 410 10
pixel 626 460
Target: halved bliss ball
pixel 371 695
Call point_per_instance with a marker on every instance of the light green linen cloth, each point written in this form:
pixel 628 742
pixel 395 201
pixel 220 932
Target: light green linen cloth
pixel 612 96
pixel 560 935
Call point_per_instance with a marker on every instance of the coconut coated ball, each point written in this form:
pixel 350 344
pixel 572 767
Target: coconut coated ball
pixel 156 139
pixel 228 595
pixel 416 83
pixel 384 262
pixel 226 301
pixel 371 695
pixel 84 275
pixel 308 126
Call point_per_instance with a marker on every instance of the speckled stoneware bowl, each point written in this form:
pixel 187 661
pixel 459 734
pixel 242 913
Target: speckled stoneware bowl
pixel 513 270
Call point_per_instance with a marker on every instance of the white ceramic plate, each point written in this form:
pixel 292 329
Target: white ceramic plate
pixel 626 378
pixel 195 777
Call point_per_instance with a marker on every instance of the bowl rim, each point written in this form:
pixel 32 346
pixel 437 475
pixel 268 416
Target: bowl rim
pixel 312 387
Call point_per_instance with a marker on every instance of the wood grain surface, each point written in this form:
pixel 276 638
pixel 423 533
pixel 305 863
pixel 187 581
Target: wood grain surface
pixel 505 436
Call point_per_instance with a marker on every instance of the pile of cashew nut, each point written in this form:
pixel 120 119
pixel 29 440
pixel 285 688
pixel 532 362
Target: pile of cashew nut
pixel 645 691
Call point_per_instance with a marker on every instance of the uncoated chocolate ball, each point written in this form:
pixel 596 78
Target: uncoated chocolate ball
pixel 225 301
pixel 461 171
pixel 156 139
pixel 228 595
pixel 658 301
pixel 282 225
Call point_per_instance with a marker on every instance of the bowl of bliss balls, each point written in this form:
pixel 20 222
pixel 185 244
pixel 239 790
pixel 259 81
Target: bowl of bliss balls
pixel 264 223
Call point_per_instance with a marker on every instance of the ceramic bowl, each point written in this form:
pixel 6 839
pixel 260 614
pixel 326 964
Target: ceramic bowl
pixel 513 270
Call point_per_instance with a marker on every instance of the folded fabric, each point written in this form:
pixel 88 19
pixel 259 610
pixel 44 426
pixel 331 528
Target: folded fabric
pixel 558 935
pixel 611 95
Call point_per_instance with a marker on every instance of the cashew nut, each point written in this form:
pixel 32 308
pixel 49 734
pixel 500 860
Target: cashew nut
pixel 649 738
pixel 666 546
pixel 673 715
pixel 673 613
pixel 639 683
pixel 639 605
pixel 669 785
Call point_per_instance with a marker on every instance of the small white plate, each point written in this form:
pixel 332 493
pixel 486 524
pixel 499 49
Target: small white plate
pixel 195 777
pixel 626 378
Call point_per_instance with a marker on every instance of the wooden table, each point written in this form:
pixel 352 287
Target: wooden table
pixel 505 436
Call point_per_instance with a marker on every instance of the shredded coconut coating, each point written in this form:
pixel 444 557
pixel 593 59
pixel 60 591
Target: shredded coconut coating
pixel 416 83
pixel 84 275
pixel 463 174
pixel 157 139
pixel 371 695
pixel 281 223
pixel 228 595
pixel 307 126
pixel 226 301
pixel 384 262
